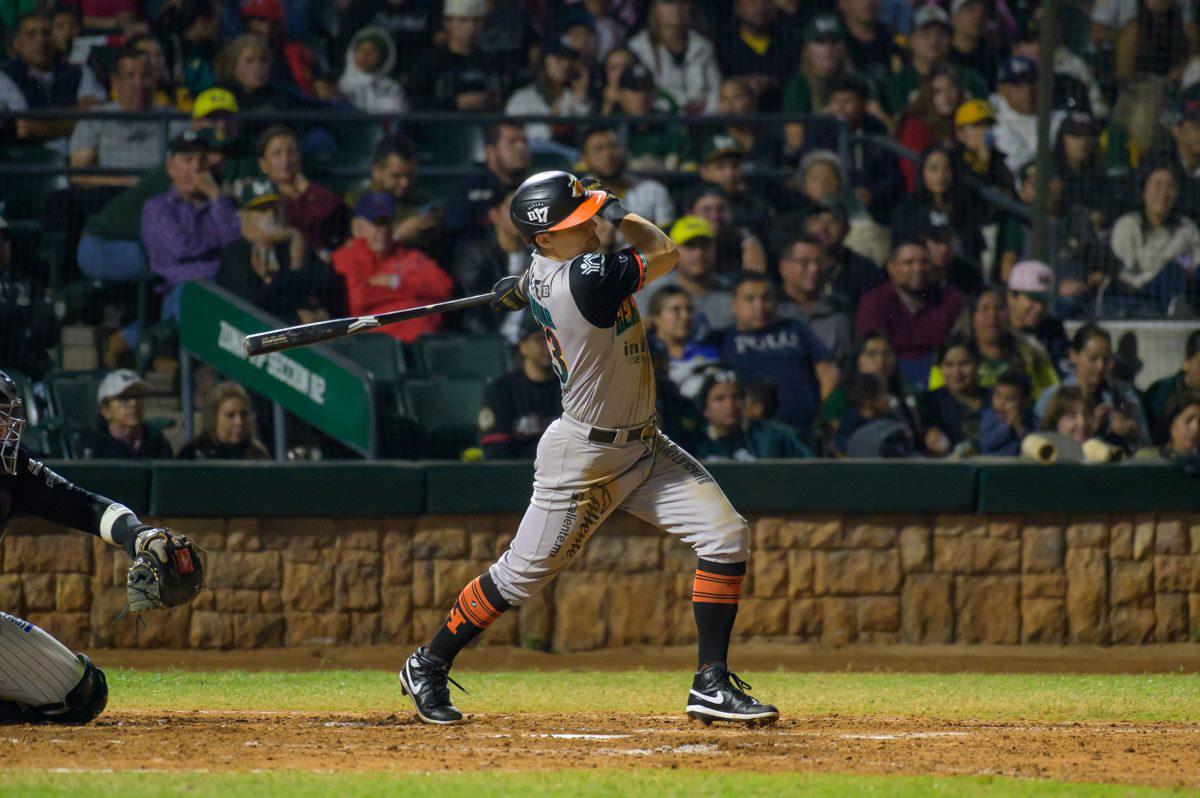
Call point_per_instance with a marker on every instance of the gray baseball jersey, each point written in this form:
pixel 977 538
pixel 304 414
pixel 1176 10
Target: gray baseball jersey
pixel 599 350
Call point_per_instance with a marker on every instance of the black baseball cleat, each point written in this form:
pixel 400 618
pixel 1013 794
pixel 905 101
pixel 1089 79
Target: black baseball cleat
pixel 717 694
pixel 426 680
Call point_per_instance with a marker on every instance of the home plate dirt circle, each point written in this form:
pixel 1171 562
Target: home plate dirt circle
pixel 1162 754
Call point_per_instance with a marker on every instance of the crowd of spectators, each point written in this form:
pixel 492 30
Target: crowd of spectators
pixel 855 280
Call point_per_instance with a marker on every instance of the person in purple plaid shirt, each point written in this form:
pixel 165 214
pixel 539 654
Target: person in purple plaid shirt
pixel 185 229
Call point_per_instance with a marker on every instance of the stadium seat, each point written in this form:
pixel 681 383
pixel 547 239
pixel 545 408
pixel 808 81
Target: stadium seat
pixel 25 386
pixel 486 356
pixel 380 354
pixel 447 411
pixel 43 442
pixel 449 145
pixel 73 395
pixel 24 194
pixel 550 162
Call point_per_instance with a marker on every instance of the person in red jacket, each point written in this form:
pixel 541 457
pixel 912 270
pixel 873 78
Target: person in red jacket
pixel 382 275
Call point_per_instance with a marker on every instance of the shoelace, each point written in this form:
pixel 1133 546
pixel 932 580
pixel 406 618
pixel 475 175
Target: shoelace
pixel 740 685
pixel 440 675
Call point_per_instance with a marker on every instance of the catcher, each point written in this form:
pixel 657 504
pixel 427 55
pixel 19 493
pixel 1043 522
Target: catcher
pixel 40 679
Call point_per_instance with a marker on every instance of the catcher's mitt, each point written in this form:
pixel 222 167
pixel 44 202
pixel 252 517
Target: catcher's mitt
pixel 166 572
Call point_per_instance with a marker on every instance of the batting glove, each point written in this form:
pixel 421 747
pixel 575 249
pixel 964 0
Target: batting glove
pixel 511 293
pixel 612 211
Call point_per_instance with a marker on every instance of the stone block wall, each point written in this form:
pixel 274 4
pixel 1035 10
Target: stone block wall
pixel 831 578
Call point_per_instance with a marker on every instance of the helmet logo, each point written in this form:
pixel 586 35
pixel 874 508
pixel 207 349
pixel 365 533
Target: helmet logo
pixel 539 215
pixel 576 188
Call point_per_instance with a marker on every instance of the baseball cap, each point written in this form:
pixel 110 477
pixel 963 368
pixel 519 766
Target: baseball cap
pixel 258 192
pixel 463 8
pixel 1082 123
pixel 1034 278
pixel 931 15
pixel 212 100
pixel 191 141
pixel 689 228
pixel 121 382
pixel 973 112
pixel 1017 69
pixel 636 77
pixel 825 28
pixel 720 145
pixel 376 206
pixel 263 9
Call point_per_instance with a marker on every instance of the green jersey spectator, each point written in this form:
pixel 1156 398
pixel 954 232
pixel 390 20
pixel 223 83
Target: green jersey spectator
pixel 727 435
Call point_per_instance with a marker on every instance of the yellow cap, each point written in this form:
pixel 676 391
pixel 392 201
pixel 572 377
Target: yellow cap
pixel 688 227
pixel 214 99
pixel 972 112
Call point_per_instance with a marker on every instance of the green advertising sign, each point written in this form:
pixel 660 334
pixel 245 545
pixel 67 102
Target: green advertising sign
pixel 314 384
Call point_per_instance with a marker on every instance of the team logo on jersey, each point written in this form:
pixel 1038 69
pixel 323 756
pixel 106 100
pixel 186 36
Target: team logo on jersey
pixel 627 315
pixel 538 215
pixel 592 263
pixel 24 626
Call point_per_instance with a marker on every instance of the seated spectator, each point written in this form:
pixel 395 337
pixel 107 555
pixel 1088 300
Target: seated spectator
pixel 873 172
pixel 1066 235
pixel 950 413
pixel 1153 38
pixel 759 144
pixel 696 274
pixel 682 61
pixel 66 23
pixel 929 120
pixel 823 59
pixel 1085 181
pixel 508 35
pixel 458 75
pixel 1000 349
pixel 1116 409
pixel 820 178
pixel 755 48
pixel 394 170
pixel 271 267
pixel 1158 249
pixel 1030 295
pixel 672 318
pixel 1075 84
pixel 729 435
pixel 166 93
pixel 479 262
pixel 946 266
pixel 382 275
pixel 761 399
pixel 928 57
pixel 1015 106
pixel 28 323
pixel 589 36
pixel 1185 134
pixel 973 123
pixel 969 44
pixel 319 214
pixel 738 248
pixel 294 64
pixel 915 315
pixel 119 143
pixel 518 406
pixel 506 163
pixel 939 191
pixel 244 67
pixel 807 295
pixel 366 80
pixel 867 399
pixel 119 431
pixel 615 63
pixel 869 42
pixel 1008 418
pixel 36 79
pixel 851 275
pixel 1068 414
pixel 652 145
pixel 1179 428
pixel 720 165
pixel 1186 380
pixel 874 355
pixel 184 229
pixel 760 344
pixel 191 39
pixel 555 91
pixel 234 157
pixel 109 14
pixel 603 157
pixel 228 428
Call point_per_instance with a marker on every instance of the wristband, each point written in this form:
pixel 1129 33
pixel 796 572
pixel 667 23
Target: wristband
pixel 613 211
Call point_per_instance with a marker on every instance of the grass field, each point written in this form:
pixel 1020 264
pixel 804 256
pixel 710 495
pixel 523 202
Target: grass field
pixel 349 734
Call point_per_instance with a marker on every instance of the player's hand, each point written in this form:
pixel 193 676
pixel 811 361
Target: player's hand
pixel 512 292
pixel 612 211
pixel 166 571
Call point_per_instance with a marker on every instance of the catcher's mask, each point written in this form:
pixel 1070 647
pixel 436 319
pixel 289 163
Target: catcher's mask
pixel 12 424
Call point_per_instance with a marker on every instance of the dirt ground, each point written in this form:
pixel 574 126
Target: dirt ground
pixel 750 657
pixel 1148 754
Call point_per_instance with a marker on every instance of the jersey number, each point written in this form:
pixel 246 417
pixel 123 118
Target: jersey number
pixel 556 356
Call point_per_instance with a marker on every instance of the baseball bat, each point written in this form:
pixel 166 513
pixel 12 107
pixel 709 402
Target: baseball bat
pixel 318 331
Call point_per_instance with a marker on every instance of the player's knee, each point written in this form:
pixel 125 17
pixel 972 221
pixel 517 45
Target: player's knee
pixel 728 542
pixel 82 705
pixel 516 584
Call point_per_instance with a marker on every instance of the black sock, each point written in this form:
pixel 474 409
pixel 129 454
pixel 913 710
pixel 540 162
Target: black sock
pixel 477 606
pixel 716 591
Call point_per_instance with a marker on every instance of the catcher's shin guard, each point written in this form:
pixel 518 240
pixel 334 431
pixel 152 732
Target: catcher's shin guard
pixel 82 705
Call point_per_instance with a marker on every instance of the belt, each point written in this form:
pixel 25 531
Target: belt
pixel 617 437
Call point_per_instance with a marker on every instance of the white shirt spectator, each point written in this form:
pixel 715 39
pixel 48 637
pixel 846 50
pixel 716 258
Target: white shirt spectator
pixel 528 100
pixel 1119 13
pixel 374 92
pixel 1143 253
pixel 692 83
pixel 650 200
pixel 1016 133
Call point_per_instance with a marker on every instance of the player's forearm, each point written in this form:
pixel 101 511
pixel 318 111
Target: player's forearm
pixel 652 242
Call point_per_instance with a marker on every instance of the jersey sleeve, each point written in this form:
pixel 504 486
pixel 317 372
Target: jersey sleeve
pixel 601 282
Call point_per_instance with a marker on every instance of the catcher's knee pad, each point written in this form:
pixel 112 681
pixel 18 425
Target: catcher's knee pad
pixel 82 705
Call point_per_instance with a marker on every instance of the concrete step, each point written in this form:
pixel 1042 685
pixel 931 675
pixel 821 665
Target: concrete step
pixel 80 358
pixel 78 335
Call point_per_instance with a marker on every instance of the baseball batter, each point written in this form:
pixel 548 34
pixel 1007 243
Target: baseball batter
pixel 41 680
pixel 605 452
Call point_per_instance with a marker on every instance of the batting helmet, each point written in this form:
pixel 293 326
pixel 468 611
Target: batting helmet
pixel 12 422
pixel 553 201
